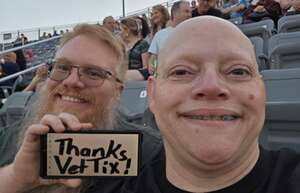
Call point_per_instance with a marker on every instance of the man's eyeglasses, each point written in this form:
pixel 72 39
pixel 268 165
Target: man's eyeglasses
pixel 90 76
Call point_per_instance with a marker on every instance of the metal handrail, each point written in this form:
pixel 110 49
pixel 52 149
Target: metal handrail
pixel 20 73
pixel 168 3
pixel 29 45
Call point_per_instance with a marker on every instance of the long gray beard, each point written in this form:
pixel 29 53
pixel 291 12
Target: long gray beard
pixel 103 117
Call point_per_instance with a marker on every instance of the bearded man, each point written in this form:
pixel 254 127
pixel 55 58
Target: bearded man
pixel 82 92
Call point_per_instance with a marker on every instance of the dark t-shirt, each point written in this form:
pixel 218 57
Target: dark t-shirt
pixel 211 11
pixel 135 54
pixel 8 69
pixel 275 172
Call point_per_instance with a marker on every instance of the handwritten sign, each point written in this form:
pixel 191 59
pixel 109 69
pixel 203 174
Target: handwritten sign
pixel 89 154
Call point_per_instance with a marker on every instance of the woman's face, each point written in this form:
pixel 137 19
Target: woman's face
pixel 156 17
pixel 124 32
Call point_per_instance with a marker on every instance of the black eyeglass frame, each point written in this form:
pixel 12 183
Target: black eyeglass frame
pixel 108 73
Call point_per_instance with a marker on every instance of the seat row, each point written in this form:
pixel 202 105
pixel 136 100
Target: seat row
pixel 282 123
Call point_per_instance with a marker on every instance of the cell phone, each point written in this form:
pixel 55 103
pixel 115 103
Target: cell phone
pixel 90 153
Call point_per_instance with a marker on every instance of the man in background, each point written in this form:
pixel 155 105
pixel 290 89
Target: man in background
pixel 109 23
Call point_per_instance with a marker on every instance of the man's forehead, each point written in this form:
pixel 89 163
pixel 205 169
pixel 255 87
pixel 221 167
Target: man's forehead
pixel 92 51
pixel 206 36
pixel 203 28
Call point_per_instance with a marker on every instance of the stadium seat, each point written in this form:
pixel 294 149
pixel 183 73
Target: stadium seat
pixel 236 20
pixel 261 58
pixel 264 29
pixel 134 101
pixel 284 50
pixel 282 125
pixel 8 90
pixel 15 107
pixel 289 24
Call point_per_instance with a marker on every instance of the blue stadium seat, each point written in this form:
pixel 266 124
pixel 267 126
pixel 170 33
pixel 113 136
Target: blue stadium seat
pixel 284 50
pixel 289 24
pixel 282 125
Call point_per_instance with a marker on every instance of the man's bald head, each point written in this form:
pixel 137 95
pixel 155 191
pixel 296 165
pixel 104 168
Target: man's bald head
pixel 205 33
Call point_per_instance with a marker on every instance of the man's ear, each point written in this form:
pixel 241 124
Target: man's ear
pixel 151 92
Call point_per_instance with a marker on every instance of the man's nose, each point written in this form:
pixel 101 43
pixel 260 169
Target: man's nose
pixel 73 80
pixel 210 86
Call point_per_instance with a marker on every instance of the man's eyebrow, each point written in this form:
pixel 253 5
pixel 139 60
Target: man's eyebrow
pixel 86 65
pixel 65 60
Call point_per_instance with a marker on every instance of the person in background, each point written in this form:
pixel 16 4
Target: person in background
pixel 9 66
pixel 295 8
pixel 21 59
pixel 55 33
pixel 44 36
pixel 266 9
pixel 131 29
pixel 38 80
pixel 207 7
pixel 193 5
pixel 235 8
pixel 28 55
pixel 159 18
pixel 180 11
pixel 109 23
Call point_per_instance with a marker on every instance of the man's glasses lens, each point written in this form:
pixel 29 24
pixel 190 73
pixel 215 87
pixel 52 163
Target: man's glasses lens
pixel 89 76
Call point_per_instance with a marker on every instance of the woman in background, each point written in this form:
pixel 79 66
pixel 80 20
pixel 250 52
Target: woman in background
pixel 159 18
pixel 133 33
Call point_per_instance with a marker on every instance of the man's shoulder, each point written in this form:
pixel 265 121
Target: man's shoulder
pixel 285 169
pixel 158 39
pixel 164 32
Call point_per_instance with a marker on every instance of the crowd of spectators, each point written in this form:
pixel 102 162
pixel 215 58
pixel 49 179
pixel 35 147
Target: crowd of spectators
pixel 161 25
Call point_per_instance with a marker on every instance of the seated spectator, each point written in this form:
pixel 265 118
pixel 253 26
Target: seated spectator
pixel 28 55
pixel 8 67
pixel 159 18
pixel 266 9
pixel 109 23
pixel 295 8
pixel 131 30
pixel 235 8
pixel 55 33
pixel 180 11
pixel 207 7
pixel 22 40
pixel 38 80
pixel 44 36
pixel 21 59
pixel 193 5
